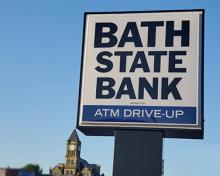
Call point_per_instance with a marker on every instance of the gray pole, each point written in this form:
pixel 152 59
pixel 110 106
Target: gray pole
pixel 138 153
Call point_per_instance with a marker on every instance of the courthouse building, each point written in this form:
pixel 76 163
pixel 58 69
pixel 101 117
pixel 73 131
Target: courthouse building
pixel 74 165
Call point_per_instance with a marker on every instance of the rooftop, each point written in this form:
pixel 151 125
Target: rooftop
pixel 74 137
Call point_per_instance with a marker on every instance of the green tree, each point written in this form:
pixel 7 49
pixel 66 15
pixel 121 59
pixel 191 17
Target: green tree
pixel 33 168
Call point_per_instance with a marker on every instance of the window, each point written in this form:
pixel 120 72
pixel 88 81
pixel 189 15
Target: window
pixel 72 162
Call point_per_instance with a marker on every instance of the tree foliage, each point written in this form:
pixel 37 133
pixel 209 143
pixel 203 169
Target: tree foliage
pixel 33 168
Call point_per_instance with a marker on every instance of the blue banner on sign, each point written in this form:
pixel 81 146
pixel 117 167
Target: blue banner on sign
pixel 139 114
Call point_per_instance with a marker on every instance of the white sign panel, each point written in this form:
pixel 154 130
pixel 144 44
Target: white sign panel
pixel 142 70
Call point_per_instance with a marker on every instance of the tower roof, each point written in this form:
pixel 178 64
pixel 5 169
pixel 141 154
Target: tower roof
pixel 74 137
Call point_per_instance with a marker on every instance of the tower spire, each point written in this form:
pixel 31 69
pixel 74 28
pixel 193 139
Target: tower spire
pixel 74 137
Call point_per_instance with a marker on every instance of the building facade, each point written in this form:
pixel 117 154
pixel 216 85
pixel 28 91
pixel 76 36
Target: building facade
pixel 9 172
pixel 15 172
pixel 74 165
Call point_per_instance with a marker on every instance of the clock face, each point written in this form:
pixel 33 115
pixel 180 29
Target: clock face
pixel 72 147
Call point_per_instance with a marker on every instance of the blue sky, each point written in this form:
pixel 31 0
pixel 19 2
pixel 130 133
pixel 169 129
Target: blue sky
pixel 40 52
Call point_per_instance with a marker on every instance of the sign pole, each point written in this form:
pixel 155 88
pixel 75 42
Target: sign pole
pixel 138 153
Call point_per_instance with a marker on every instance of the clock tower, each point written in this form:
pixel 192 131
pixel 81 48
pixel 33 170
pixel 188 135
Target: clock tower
pixel 73 147
pixel 74 165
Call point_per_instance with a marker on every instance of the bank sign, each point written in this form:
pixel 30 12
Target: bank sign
pixel 142 70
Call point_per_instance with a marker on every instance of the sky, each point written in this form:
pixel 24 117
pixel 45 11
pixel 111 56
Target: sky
pixel 40 55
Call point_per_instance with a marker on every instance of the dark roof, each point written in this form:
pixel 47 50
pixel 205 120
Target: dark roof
pixel 74 137
pixel 84 163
